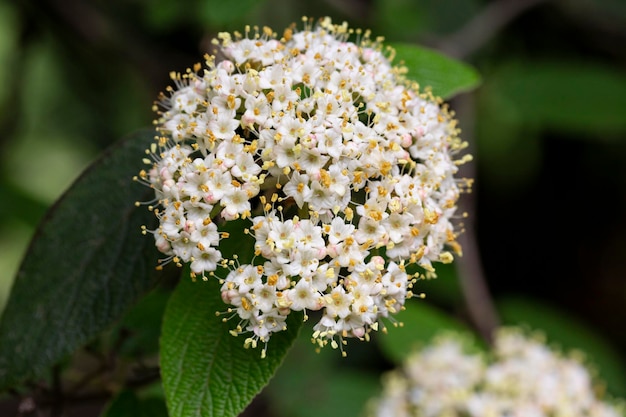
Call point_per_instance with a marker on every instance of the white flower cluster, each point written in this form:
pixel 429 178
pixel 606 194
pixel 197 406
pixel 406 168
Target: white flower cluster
pixel 523 378
pixel 343 172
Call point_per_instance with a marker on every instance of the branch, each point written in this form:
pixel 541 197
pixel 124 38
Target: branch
pixel 478 299
pixel 484 26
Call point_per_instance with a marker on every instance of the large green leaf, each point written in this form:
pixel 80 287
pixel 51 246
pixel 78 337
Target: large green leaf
pixel 87 263
pixel 569 333
pixel 206 371
pixel 429 68
pixel 421 322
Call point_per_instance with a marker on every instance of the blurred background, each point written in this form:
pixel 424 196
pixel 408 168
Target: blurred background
pixel 547 129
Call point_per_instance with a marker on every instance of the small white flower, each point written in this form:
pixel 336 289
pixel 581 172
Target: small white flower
pixel 304 296
pixel 339 230
pixel 246 279
pixel 298 188
pixel 235 202
pixel 245 167
pixel 266 323
pixel 265 297
pixel 205 236
pixel 338 302
pixel 204 259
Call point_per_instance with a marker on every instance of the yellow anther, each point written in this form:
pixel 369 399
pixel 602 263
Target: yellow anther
pixel 446 257
pixel 246 304
pixel 430 217
pixel 272 279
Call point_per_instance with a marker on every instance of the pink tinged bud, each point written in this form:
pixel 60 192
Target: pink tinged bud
pixel 407 140
pixel 227 66
pixel 168 185
pixel 229 214
pixel 315 174
pixel 247 120
pixel 226 296
pixel 231 296
pixel 210 198
pixel 358 332
pixel 163 245
pixel 165 174
pixel 378 261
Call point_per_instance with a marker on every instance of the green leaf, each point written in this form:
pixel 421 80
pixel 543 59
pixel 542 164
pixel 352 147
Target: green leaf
pixel 588 99
pixel 429 68
pixel 206 371
pixel 569 333
pixel 87 263
pixel 421 322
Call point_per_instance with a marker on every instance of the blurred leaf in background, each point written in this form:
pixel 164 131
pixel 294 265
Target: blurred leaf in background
pixel 524 99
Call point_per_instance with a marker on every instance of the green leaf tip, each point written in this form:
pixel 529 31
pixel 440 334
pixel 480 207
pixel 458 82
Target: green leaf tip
pixel 445 76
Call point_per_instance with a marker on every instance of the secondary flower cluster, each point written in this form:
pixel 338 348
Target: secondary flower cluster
pixel 338 168
pixel 522 378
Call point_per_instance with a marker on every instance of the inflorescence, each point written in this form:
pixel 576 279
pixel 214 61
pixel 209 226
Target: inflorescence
pixel 342 172
pixel 521 377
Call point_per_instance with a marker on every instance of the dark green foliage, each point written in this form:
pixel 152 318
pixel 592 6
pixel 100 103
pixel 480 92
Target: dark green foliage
pixel 87 264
